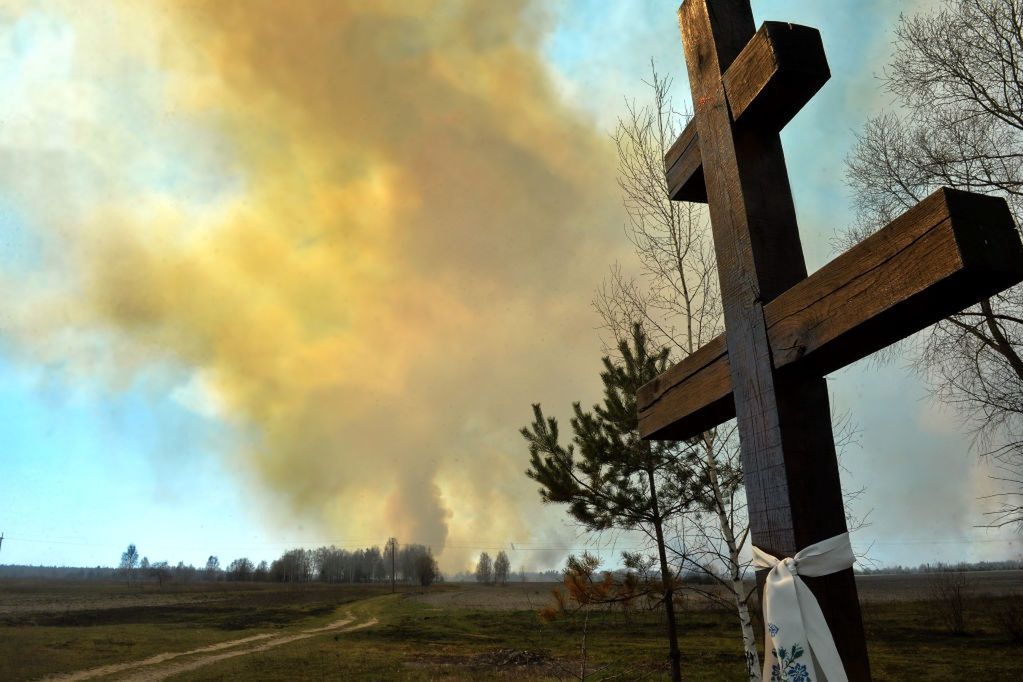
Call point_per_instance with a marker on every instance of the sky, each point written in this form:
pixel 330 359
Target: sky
pixel 290 274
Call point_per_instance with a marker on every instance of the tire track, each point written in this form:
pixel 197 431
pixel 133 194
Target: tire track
pixel 203 656
pixel 187 666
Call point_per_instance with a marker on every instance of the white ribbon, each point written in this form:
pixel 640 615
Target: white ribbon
pixel 797 633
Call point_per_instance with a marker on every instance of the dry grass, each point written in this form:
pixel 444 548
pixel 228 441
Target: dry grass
pixel 452 631
pixel 511 597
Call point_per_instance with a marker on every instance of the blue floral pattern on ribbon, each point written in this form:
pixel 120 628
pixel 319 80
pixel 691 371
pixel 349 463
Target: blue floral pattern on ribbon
pixel 787 668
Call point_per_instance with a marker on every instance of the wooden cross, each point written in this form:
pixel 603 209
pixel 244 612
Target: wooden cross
pixel 785 330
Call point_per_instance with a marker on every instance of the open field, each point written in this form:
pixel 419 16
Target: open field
pixel 872 588
pixel 914 586
pixel 86 630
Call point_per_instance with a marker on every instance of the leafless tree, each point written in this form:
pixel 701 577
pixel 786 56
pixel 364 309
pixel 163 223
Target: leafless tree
pixel 293 566
pixel 675 297
pixel 240 569
pixel 427 570
pixel 957 75
pixel 949 586
pixel 484 569
pixel 161 571
pixel 502 566
pixel 212 568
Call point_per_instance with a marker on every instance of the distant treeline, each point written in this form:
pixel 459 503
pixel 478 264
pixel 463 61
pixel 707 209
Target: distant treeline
pixel 59 572
pixel 411 564
pixel 1006 565
pixel 521 575
pixel 369 565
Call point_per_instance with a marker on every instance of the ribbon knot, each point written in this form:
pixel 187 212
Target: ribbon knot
pixel 794 621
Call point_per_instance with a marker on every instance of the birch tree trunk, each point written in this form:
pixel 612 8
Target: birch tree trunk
pixel 739 592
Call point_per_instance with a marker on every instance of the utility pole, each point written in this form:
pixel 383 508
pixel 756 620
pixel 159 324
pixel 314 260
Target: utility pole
pixel 393 542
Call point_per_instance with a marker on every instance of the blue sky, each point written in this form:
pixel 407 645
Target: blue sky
pixel 92 463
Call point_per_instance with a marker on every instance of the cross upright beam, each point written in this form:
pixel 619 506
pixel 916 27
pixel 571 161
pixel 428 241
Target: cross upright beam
pixel 784 329
pixel 759 257
pixel 788 454
pixel 778 71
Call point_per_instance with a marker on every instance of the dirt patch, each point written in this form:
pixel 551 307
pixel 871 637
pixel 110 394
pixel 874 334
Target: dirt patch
pixel 513 657
pixel 511 662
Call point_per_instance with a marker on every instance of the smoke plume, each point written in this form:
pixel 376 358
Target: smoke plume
pixel 368 231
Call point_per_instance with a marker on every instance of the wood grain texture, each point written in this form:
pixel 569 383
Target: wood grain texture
pixel 949 252
pixel 775 75
pixel 945 254
pixel 788 457
pixel 691 397
pixel 772 78
pixel 683 167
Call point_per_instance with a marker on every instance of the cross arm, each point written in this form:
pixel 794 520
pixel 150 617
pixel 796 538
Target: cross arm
pixel 771 79
pixel 948 252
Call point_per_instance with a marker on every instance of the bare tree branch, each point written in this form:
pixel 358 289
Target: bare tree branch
pixel 958 76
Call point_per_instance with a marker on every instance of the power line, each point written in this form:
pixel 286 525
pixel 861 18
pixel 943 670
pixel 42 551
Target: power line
pixel 482 546
pixel 944 542
pixel 515 546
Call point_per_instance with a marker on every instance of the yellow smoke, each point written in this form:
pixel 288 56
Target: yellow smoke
pixel 403 263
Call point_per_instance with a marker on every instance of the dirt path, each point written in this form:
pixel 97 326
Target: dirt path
pixel 198 658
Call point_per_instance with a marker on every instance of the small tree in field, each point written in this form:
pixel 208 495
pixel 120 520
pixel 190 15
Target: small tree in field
pixel 948 587
pixel 484 569
pixel 129 561
pixel 501 568
pixel 614 479
pixel 586 589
